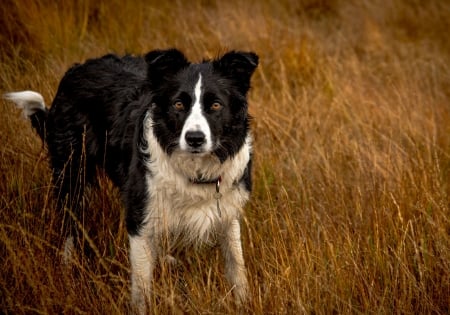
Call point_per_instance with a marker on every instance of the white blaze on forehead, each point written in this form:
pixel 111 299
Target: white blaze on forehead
pixel 196 121
pixel 198 90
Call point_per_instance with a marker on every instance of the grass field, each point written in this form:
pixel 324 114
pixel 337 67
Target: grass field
pixel 350 212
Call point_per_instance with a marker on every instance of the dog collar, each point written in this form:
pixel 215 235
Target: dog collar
pixel 200 181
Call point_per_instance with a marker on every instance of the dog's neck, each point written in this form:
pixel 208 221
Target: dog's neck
pixel 201 181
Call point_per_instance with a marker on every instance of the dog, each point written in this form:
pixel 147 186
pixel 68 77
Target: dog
pixel 172 135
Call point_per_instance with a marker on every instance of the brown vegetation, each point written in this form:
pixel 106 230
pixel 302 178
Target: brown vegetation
pixel 350 209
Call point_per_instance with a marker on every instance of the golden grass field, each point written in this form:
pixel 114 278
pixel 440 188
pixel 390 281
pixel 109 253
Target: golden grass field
pixel 350 212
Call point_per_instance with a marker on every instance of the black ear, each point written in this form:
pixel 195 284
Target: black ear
pixel 239 67
pixel 163 64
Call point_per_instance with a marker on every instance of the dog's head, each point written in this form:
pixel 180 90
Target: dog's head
pixel 200 108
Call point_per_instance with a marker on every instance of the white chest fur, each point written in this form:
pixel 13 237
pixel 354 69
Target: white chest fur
pixel 177 206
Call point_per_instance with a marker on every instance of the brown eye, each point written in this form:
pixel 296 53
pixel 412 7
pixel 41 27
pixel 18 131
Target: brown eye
pixel 216 106
pixel 178 105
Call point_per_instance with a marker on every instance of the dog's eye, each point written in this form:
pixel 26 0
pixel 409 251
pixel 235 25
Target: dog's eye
pixel 179 105
pixel 216 106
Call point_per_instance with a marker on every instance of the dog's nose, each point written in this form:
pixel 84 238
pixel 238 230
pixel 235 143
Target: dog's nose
pixel 195 138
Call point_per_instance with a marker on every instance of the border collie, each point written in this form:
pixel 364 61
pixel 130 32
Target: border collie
pixel 172 135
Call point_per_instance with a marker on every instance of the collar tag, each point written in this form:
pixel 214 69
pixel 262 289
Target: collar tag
pixel 218 195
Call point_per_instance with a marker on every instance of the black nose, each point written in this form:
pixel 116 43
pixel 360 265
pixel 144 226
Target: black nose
pixel 195 138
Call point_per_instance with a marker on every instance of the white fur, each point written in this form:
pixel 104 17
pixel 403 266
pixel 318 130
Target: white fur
pixel 178 207
pixel 142 261
pixel 196 121
pixel 29 101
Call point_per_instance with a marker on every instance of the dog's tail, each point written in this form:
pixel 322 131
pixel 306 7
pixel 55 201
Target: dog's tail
pixel 33 107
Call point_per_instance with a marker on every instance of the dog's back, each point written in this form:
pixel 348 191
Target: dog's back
pixel 87 114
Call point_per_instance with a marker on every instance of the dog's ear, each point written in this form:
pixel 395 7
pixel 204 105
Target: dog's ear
pixel 239 67
pixel 163 64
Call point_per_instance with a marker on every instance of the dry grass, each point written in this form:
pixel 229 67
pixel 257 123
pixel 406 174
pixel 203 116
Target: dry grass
pixel 350 210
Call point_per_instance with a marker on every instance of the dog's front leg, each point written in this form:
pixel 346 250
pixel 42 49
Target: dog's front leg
pixel 143 252
pixel 234 261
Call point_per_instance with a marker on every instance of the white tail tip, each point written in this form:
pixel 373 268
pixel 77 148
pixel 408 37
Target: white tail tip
pixel 30 102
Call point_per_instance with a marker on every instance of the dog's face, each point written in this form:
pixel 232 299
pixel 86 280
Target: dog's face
pixel 200 109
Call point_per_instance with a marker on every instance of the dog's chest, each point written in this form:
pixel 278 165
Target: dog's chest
pixel 195 211
pixel 176 205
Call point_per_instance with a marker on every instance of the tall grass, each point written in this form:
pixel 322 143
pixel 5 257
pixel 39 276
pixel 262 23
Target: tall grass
pixel 350 208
